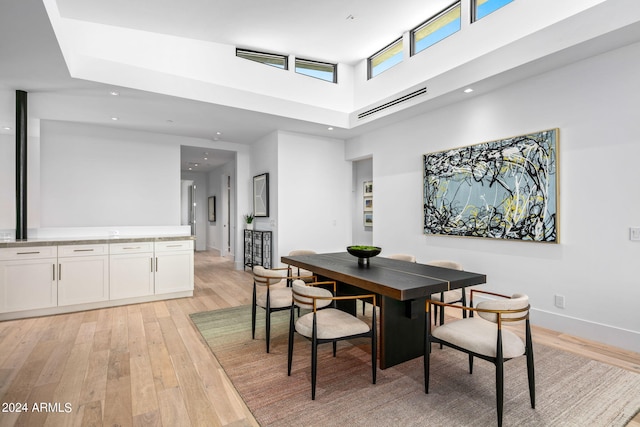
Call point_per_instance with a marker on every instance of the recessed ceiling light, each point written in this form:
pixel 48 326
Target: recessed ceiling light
pixel 114 93
pixel 114 118
pixel 468 90
pixel 206 158
pixel 218 133
pixel 6 128
pixel 329 128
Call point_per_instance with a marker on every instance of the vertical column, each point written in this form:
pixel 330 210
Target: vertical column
pixel 21 165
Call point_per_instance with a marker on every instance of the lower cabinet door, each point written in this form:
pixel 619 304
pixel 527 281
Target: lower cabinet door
pixel 174 272
pixel 28 284
pixel 131 275
pixel 83 279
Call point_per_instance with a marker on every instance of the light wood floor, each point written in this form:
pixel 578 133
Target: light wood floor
pixel 146 365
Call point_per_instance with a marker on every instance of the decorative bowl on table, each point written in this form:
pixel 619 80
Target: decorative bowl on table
pixel 363 253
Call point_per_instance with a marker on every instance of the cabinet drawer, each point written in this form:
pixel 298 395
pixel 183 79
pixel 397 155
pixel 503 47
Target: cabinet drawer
pixel 130 248
pixel 33 252
pixel 82 250
pixel 174 245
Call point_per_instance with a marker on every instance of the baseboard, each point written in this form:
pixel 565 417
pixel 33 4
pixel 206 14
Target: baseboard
pixel 606 334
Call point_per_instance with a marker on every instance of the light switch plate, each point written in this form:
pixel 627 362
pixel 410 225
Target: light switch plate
pixel 634 233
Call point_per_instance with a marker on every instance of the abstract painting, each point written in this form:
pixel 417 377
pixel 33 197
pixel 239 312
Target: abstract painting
pixel 505 189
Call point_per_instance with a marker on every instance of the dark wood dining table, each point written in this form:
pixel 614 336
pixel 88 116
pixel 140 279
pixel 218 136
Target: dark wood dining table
pixel 402 289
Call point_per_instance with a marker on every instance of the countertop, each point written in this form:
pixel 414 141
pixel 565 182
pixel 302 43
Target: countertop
pixel 58 241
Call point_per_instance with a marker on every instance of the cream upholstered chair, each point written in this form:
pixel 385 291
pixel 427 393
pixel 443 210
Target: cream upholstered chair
pixel 403 257
pixel 297 271
pixel 327 324
pixel 276 298
pixel 484 337
pixel 454 296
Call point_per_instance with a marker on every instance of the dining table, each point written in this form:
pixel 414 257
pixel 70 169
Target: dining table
pixel 401 289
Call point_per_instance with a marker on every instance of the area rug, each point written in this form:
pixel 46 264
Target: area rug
pixel 570 390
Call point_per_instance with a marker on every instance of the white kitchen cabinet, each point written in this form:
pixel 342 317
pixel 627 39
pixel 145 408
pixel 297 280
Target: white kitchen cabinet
pixel 173 266
pixel 83 274
pixel 28 278
pixel 131 270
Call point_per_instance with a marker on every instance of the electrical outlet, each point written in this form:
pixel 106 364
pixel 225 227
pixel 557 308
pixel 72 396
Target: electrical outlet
pixel 634 233
pixel 559 301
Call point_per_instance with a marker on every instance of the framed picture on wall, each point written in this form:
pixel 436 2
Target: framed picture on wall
pixel 261 195
pixel 503 189
pixel 368 204
pixel 368 219
pixel 212 209
pixel 368 188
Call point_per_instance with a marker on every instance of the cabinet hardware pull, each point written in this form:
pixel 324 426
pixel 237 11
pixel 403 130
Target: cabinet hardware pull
pixel 151 263
pixel 54 272
pixel 174 246
pixel 28 253
pixel 131 247
pixel 83 250
pixel 59 272
pixel 156 264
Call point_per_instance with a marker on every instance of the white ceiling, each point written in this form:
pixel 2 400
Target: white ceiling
pixel 31 60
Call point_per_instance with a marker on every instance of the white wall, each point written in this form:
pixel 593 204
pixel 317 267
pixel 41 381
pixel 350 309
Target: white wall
pixel 593 103
pixel 314 194
pixel 93 176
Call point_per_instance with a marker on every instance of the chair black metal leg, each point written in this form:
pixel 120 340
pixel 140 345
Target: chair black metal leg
pixel 374 345
pixel 442 310
pixel 335 347
pixel 314 364
pixel 290 352
pixel 363 307
pixel 470 364
pixel 464 303
pixel 268 320
pixel 253 314
pixel 427 352
pixel 530 368
pixel 499 379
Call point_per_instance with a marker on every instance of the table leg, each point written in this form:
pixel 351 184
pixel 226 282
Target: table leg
pixel 401 336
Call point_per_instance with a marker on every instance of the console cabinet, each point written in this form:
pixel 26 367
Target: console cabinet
pixel 257 248
pixel 41 280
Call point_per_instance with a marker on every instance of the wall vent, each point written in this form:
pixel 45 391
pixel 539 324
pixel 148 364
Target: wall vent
pixel 389 104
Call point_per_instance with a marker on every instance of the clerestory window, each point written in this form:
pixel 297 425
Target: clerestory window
pixel 481 8
pixel 436 28
pixel 272 59
pixel 384 59
pixel 319 70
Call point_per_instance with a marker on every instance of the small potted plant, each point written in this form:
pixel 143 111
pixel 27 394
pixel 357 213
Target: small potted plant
pixel 248 219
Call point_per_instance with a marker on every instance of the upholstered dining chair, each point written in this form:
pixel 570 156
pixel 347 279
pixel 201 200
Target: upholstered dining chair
pixel 276 298
pixel 484 337
pixel 455 296
pixel 326 324
pixel 297 271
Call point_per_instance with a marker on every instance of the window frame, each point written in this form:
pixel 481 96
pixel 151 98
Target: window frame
pixel 380 52
pixel 434 18
pixel 257 54
pixel 474 10
pixel 334 68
